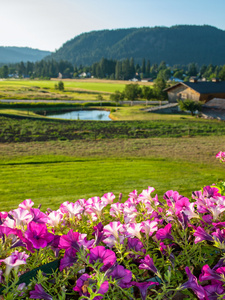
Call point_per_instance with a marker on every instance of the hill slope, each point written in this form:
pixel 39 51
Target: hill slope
pixel 181 44
pixel 18 54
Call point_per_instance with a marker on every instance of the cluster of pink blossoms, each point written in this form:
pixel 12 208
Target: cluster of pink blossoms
pixel 221 156
pixel 141 224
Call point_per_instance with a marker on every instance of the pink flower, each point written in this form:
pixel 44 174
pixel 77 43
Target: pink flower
pixel 221 156
pixel 208 274
pixel 72 209
pixel 133 197
pixel 172 197
pixel 149 227
pixel 134 230
pixel 38 235
pixel 38 216
pixel 71 240
pixel 54 218
pixel 94 207
pixel 129 212
pixel 164 233
pixel 26 204
pixel 14 261
pixel 109 197
pixel 21 216
pixel 181 205
pixel 148 264
pixel 116 209
pixel 146 195
pixel 113 228
pixel 102 255
pixel 202 235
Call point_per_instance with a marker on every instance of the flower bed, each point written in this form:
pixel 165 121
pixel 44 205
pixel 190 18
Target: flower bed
pixel 143 248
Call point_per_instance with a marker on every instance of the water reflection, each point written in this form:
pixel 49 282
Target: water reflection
pixel 94 115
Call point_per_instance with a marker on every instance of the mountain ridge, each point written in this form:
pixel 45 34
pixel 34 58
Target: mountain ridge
pixel 178 44
pixel 14 54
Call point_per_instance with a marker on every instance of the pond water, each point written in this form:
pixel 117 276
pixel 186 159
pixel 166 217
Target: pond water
pixel 94 115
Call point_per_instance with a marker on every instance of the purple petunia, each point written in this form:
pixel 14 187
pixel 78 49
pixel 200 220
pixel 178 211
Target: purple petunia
pixel 164 233
pixel 102 255
pixel 148 264
pixel 143 287
pixel 192 283
pixel 38 235
pixel 122 275
pixel 39 293
pixel 69 259
pixel 71 240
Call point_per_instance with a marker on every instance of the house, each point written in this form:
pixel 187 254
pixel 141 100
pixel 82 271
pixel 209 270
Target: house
pixel 196 90
pixel 146 80
pixel 85 75
pixel 134 79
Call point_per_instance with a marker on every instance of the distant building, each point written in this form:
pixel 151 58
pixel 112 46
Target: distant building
pixel 146 80
pixel 134 79
pixel 85 75
pixel 197 91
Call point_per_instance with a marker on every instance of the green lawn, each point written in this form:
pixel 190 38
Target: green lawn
pixel 52 179
pixel 45 89
pixel 100 86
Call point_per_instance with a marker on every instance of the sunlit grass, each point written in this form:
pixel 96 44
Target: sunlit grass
pixel 51 180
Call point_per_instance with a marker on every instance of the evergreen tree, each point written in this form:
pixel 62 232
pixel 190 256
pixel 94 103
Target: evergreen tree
pixel 143 67
pixel 118 71
pixel 5 71
pixel 148 67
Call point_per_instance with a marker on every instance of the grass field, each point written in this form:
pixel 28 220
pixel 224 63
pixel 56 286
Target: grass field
pixel 19 130
pixel 45 89
pixel 53 172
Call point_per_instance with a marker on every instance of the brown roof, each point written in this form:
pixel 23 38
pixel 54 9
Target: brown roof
pixel 202 87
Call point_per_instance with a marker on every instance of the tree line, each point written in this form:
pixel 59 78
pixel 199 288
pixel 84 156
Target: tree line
pixel 111 69
pixel 134 91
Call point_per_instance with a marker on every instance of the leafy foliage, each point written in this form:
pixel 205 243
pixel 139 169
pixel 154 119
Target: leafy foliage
pixel 190 105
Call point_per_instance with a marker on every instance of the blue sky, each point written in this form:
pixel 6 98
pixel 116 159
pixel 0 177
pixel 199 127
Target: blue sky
pixel 47 24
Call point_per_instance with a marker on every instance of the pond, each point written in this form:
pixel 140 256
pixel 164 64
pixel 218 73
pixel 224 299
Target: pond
pixel 94 115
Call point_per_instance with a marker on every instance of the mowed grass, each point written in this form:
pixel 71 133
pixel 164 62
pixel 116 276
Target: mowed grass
pixel 45 89
pixel 51 173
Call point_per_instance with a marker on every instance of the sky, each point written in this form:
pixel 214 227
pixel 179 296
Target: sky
pixel 48 24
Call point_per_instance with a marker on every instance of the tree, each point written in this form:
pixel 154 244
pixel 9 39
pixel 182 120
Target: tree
pixel 222 73
pixel 148 67
pixel 192 69
pixel 132 91
pixel 143 67
pixel 147 92
pixel 61 86
pixel 159 86
pixel 189 105
pixel 117 96
pixel 178 74
pixel 5 71
pixel 165 74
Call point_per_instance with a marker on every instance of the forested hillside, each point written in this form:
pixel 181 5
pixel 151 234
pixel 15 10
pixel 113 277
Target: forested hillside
pixel 18 54
pixel 181 44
